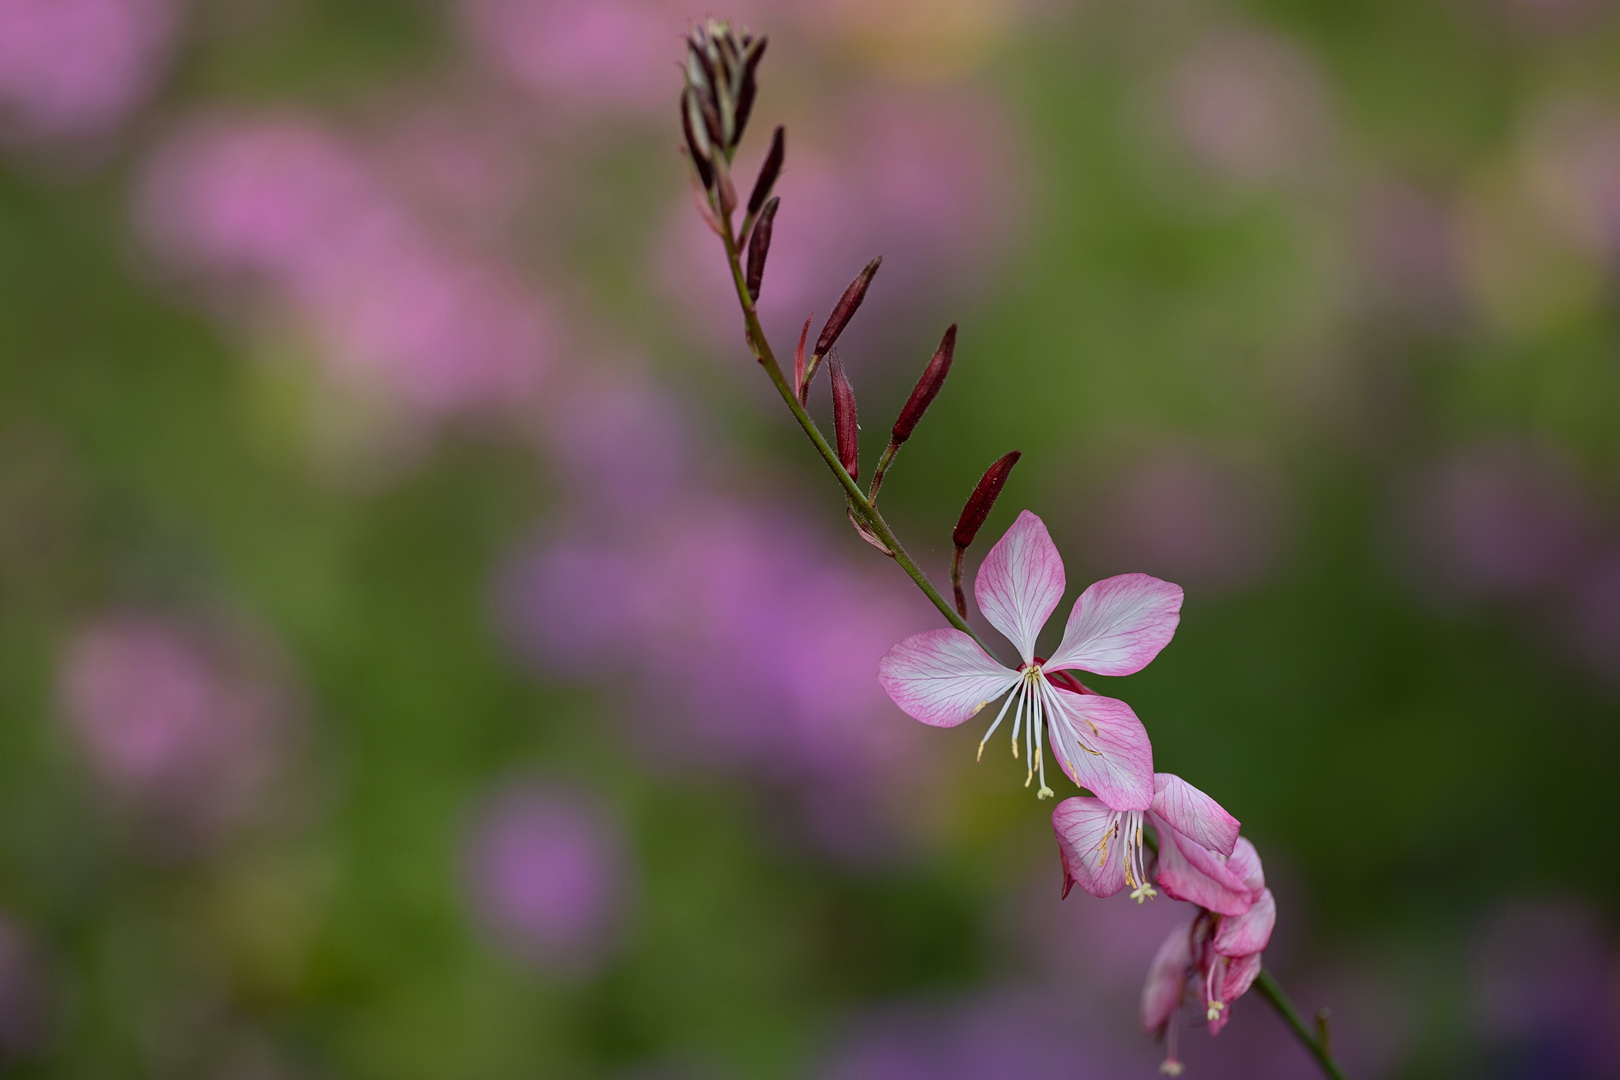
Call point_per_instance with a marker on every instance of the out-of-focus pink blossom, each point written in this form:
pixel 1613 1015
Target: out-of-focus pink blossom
pixel 1571 154
pixel 311 230
pixel 76 68
pixel 23 991
pixel 1595 617
pixel 1496 520
pixel 187 728
pixel 1102 850
pixel 1007 1032
pixel 930 183
pixel 1117 626
pixel 1546 981
pixel 1249 106
pixel 586 55
pixel 1411 252
pixel 1188 514
pixel 548 875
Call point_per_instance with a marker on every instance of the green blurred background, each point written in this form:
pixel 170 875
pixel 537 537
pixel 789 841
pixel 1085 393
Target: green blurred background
pixel 426 650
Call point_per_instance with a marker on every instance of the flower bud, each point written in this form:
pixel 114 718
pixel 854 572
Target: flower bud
pixel 983 498
pixel 844 423
pixel 800 387
pixel 721 72
pixel 759 246
pixel 922 395
pixel 844 310
pixel 768 173
pixel 697 143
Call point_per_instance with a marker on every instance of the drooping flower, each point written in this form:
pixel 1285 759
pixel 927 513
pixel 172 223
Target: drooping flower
pixel 1118 625
pixel 1219 953
pixel 1101 847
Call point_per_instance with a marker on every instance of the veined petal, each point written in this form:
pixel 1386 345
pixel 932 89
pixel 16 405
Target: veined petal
pixel 1118 768
pixel 1245 864
pixel 1248 933
pixel 1089 844
pixel 1236 978
pixel 1192 872
pixel 1194 814
pixel 942 677
pixel 1020 582
pixel 1167 980
pixel 1118 625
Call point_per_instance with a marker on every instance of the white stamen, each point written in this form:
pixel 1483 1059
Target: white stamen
pixel 1005 705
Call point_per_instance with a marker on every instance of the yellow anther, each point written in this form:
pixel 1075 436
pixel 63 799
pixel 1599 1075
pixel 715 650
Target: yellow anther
pixel 1046 793
pixel 1215 1008
pixel 1171 1068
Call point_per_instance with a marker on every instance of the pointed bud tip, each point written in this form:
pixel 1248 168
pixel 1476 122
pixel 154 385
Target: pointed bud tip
pixel 984 496
pixel 927 388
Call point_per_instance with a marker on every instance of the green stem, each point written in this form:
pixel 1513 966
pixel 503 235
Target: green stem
pixel 1267 988
pixel 761 349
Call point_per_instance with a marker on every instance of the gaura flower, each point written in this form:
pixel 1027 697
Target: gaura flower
pixel 1101 848
pixel 1118 625
pixel 1218 953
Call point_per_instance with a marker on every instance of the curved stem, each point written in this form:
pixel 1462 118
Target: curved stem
pixel 1267 988
pixel 761 348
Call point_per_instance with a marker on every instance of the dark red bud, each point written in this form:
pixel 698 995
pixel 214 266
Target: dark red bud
pixel 844 424
pixel 983 498
pixel 844 310
pixel 696 146
pixel 759 246
pixel 768 173
pixel 755 51
pixel 922 395
pixel 799 362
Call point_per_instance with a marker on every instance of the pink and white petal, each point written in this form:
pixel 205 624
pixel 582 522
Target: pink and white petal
pixel 1191 872
pixel 1236 977
pixel 1245 864
pixel 1248 933
pixel 1118 768
pixel 1194 814
pixel 1020 582
pixel 1119 625
pixel 942 677
pixel 1092 858
pixel 1167 980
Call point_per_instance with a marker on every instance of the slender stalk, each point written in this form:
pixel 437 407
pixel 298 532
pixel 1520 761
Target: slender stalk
pixel 882 470
pixel 862 506
pixel 1267 988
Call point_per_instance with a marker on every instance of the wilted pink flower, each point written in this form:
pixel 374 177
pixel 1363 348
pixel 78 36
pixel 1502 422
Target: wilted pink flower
pixel 182 728
pixel 547 873
pixel 1101 848
pixel 1218 954
pixel 74 68
pixel 1117 626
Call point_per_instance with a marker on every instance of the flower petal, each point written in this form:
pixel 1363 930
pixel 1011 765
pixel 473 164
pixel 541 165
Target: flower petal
pixel 1234 981
pixel 1118 625
pixel 1020 582
pixel 1120 771
pixel 942 677
pixel 1248 933
pixel 1194 814
pixel 1192 872
pixel 1092 858
pixel 1245 864
pixel 1167 980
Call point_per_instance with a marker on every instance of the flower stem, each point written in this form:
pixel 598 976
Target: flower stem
pixel 859 503
pixel 1267 987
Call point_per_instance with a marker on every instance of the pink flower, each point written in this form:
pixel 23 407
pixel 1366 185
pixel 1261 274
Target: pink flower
pixel 1118 625
pixel 1101 847
pixel 1222 951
